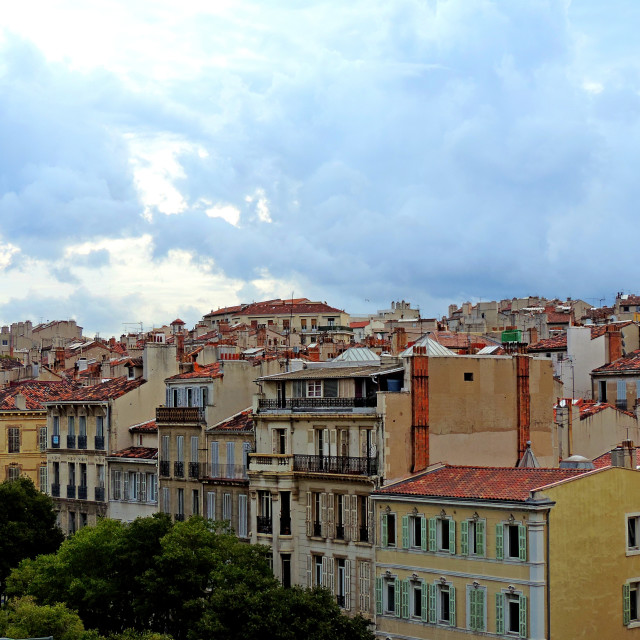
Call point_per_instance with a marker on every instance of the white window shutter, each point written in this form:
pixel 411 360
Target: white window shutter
pixel 325 572
pixel 323 515
pixel 330 515
pixel 346 518
pixel 347 585
pixel 325 443
pixel 370 519
pixel 354 517
pixel 242 516
pixel 309 514
pixel 309 572
pixel 331 564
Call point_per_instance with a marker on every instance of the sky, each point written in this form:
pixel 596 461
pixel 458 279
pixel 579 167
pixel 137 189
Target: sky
pixel 162 159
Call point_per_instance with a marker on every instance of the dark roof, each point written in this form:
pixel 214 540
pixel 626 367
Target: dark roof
pixel 628 364
pixel 35 392
pixel 277 307
pixel 139 453
pixel 109 390
pixel 481 483
pixel 242 421
pixel 208 371
pixel 333 372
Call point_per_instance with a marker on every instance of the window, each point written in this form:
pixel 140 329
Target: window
pixel 388 530
pixel 231 458
pixel 56 426
pixel 134 485
pixel 100 476
pixel 42 438
pixel 242 516
pixel 442 603
pixel 72 473
pixel 175 398
pixel 331 388
pixel 321 442
pixel 116 480
pixel 152 487
pixel 602 390
pixel 13 472
pixel 166 500
pixel 211 505
pixel 215 460
pixel 621 395
pixel 511 614
pixel 468 376
pixel 414 532
pixel 630 603
pixel 71 427
pixel 100 426
pixel 83 520
pixel 633 533
pixel 43 477
pixel 280 441
pixel 472 537
pixel 511 542
pixel 194 448
pixel 72 522
pixel 189 397
pixel 204 394
pixel 82 426
pixel 364 575
pixel 340 513
pixel 442 534
pixel 14 440
pixel 476 608
pixel 314 388
pixel 299 389
pixel 343 583
pixel 317 571
pixel 226 506
pixel 195 502
pixel 180 512
pixel 180 448
pixel 387 596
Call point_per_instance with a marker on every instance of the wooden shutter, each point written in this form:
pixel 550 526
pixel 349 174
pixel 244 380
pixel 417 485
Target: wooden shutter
pixel 346 519
pixel 384 534
pixel 167 398
pixel 425 602
pixel 354 516
pixel 405 532
pixel 274 441
pixel 211 505
pixel 499 613
pixel 452 606
pixel 424 541
pixel 398 602
pixel 480 617
pixel 330 566
pixel 480 537
pixel 379 596
pixel 325 443
pixel 370 520
pixel 347 585
pixel 433 601
pixel 309 572
pixel 522 542
pixel 242 516
pixel 365 586
pixel 309 514
pixel 330 515
pixel 323 515
pixel 626 604
pixel 433 528
pixel 125 492
pixel 523 617
pixel 464 537
pixel 142 496
pixel 325 572
pixel 452 537
pixel 405 598
pixel 473 616
pixel 499 541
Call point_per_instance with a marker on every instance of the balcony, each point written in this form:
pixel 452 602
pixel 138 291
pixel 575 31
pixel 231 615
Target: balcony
pixel 99 442
pixel 179 517
pixel 230 471
pixel 99 494
pixel 178 469
pixel 180 415
pixel 71 442
pixel 274 463
pixel 82 492
pixel 327 328
pixel 55 441
pixel 194 470
pixel 82 442
pixel 165 468
pixel 55 490
pixel 264 524
pixel 285 525
pixel 71 491
pixel 335 405
pixel 345 465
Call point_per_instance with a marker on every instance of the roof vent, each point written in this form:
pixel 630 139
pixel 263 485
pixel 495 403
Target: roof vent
pixel 576 462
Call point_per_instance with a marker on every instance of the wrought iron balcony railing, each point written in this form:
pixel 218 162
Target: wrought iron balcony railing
pixel 264 524
pixel 336 464
pixel 179 517
pixel 180 415
pixel 165 468
pixel 178 469
pixel 55 441
pixel 99 442
pixel 71 442
pixel 285 525
pixel 82 492
pixel 71 491
pixel 364 534
pixel 324 328
pixel 82 442
pixel 327 404
pixel 194 470
pixel 55 490
pixel 99 494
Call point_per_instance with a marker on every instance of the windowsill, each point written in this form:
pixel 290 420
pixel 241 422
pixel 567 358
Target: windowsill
pixel 317 538
pixel 634 551
pixel 634 624
pixel 361 543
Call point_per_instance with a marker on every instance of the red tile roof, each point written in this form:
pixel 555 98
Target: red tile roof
pixel 628 364
pixel 359 324
pixel 242 421
pixel 556 343
pixel 7 364
pixel 591 408
pixel 208 371
pixel 177 321
pixel 482 483
pixel 605 460
pixel 277 307
pixel 35 393
pixel 109 390
pixel 145 453
pixel 144 427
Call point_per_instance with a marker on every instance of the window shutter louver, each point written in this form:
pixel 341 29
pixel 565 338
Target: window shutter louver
pixel 499 541
pixel 142 496
pixel 480 537
pixel 425 602
pixel 325 443
pixel 398 603
pixel 366 590
pixel 330 565
pixel 309 518
pixel 523 617
pixel 330 515
pixel 626 604
pixel 499 613
pixel 215 457
pixel 424 542
pixel 370 520
pixel 464 537
pixel 385 532
pixel 452 606
pixel 125 492
pixel 325 572
pixel 347 585
pixel 473 620
pixel 405 598
pixel 167 400
pixel 452 537
pixel 354 515
pixel 378 596
pixel 433 595
pixel 242 516
pixel 522 542
pixel 346 519
pixel 405 532
pixel 323 515
pixel 309 573
pixel 433 528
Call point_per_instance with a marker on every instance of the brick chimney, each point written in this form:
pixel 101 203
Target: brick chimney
pixel 419 409
pixel 523 403
pixel 179 347
pixel 624 455
pixel 399 340
pixel 613 345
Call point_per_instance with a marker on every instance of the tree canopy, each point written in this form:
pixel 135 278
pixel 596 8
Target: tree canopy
pixel 187 579
pixel 27 525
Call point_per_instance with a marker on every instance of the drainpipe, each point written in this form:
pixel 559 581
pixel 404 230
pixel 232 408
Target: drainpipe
pixel 548 563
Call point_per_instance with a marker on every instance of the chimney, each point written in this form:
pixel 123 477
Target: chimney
pixel 533 335
pixel 261 338
pixel 21 402
pixel 419 410
pixel 399 340
pixel 613 347
pixel 179 347
pixel 523 403
pixel 624 455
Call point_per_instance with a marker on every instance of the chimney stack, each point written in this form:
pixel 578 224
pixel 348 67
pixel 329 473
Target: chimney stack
pixel 624 455
pixel 613 347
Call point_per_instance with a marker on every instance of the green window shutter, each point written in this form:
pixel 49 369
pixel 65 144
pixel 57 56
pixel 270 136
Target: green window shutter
pixel 452 606
pixel 423 534
pixel 405 598
pixel 405 532
pixel 499 613
pixel 433 594
pixel 499 542
pixel 481 623
pixel 626 604
pixel 452 537
pixel 523 616
pixel 398 591
pixel 480 537
pixel 432 534
pixel 464 537
pixel 522 542
pixel 379 596
pixel 385 531
pixel 471 596
pixel 425 602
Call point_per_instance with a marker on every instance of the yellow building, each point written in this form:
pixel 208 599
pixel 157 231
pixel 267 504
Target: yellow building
pixel 23 435
pixel 508 552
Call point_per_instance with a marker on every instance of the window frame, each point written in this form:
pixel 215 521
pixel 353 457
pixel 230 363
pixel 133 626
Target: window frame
pixel 630 592
pixel 635 518
pixel 504 532
pixel 474 607
pixel 13 440
pixel 472 530
pixel 504 620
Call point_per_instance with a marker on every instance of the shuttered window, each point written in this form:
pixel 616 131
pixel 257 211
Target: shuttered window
pixel 242 516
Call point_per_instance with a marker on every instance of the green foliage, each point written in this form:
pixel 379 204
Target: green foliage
pixel 27 525
pixel 23 618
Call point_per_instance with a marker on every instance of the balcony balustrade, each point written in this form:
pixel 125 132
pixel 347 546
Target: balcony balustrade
pixel 180 415
pixel 55 441
pixel 285 525
pixel 55 490
pixel 230 471
pixel 326 328
pixel 71 442
pixel 264 524
pixel 165 468
pixel 270 462
pixel 178 469
pixel 316 404
pixel 194 470
pixel 82 492
pixel 99 494
pixel 179 517
pixel 99 442
pixel 82 442
pixel 71 491
pixel 346 465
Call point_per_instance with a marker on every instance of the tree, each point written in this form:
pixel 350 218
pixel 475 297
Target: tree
pixel 27 525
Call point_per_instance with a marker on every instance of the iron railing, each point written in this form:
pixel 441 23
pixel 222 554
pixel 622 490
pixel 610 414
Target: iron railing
pixel 340 532
pixel 71 491
pixel 336 464
pixel 285 526
pixel 82 442
pixel 99 494
pixel 82 492
pixel 264 524
pixel 55 490
pixel 165 468
pixel 99 442
pixel 323 328
pixel 55 441
pixel 71 442
pixel 194 470
pixel 364 534
pixel 230 471
pixel 299 404
pixel 178 469
pixel 180 415
pixel 179 517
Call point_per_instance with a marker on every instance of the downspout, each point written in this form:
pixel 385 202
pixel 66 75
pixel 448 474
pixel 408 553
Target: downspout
pixel 548 563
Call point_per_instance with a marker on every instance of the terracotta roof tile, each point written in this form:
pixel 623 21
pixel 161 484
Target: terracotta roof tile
pixel 605 460
pixel 145 453
pixel 277 307
pixel 591 408
pixel 242 421
pixel 144 427
pixel 208 371
pixel 556 343
pixel 483 483
pixel 35 393
pixel 628 364
pixel 106 390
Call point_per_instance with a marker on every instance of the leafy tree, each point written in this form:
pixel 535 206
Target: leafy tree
pixel 27 525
